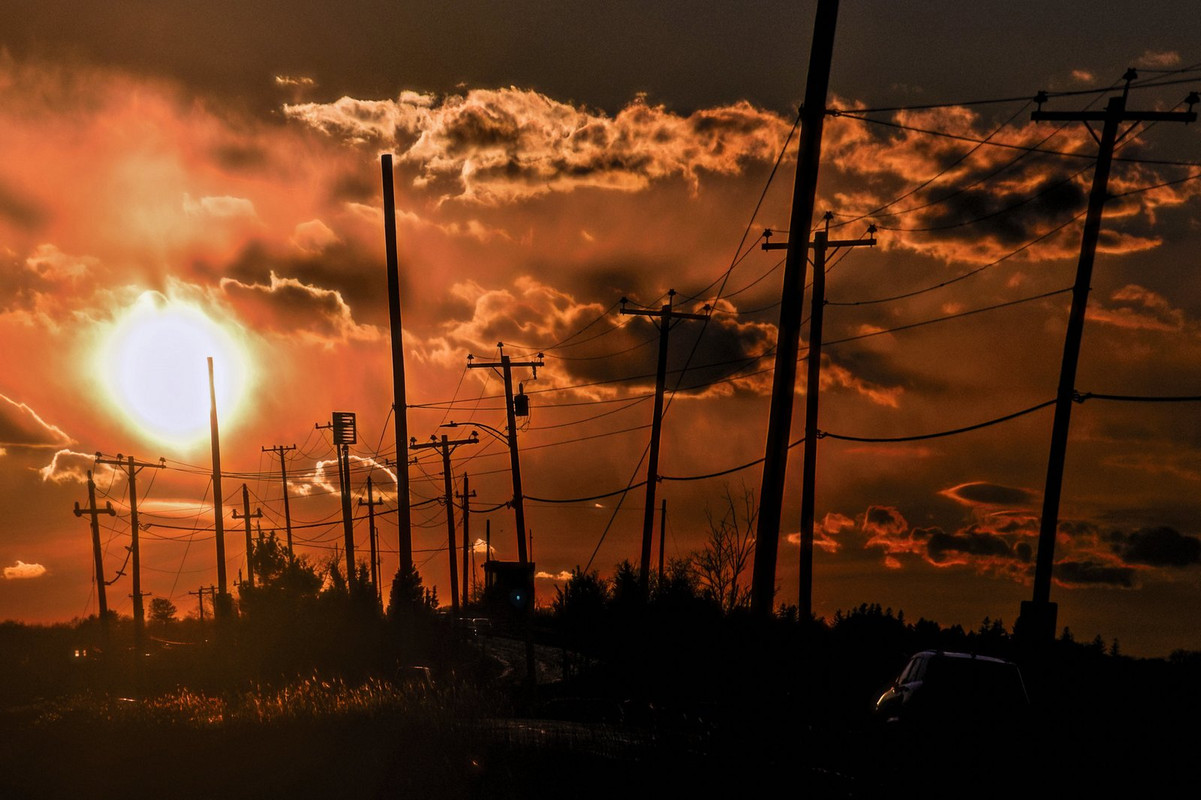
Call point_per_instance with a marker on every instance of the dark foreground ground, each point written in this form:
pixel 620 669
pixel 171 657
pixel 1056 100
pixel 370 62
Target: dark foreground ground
pixel 791 720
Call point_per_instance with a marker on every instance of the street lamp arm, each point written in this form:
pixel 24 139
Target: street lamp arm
pixel 498 434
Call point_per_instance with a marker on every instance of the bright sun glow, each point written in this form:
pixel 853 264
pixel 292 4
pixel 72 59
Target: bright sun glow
pixel 155 362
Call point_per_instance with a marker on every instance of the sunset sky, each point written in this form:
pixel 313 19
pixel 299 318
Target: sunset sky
pixel 181 180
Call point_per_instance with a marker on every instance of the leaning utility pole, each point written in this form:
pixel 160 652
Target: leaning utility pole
pixel 445 446
pixel 820 245
pixel 466 498
pixel 665 315
pixel 247 516
pixel 97 555
pixel 223 606
pixel 132 467
pixel 506 366
pixel 400 421
pixel 280 450
pixel 371 504
pixel 779 425
pixel 1038 616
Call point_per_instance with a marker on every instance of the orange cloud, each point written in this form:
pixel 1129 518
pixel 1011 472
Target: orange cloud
pixel 499 146
pixel 23 571
pixel 20 426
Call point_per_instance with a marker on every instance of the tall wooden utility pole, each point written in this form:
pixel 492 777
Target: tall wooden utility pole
pixel 1037 621
pixel 97 553
pixel 247 516
pixel 223 606
pixel 466 496
pixel 371 504
pixel 400 420
pixel 506 367
pixel 665 315
pixel 446 446
pixel 280 450
pixel 820 245
pixel 132 467
pixel 779 425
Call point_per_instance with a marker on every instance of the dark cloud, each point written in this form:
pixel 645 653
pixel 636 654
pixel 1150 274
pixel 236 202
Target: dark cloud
pixel 975 543
pixel 339 266
pixel 991 494
pixel 1089 573
pixel 20 211
pixel 238 157
pixel 1009 217
pixel 1160 547
pixel 289 307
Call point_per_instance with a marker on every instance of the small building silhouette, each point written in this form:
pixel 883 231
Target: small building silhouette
pixel 508 590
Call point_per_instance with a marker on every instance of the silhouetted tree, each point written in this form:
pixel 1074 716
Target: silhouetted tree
pixel 727 552
pixel 283 584
pixel 580 604
pixel 162 611
pixel 409 596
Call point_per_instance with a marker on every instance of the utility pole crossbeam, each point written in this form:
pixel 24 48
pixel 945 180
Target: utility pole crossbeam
pixel 399 404
pixel 247 516
pixel 280 450
pixel 779 426
pixel 132 467
pixel 505 365
pixel 97 554
pixel 821 245
pixel 446 446
pixel 371 504
pixel 1037 621
pixel 466 496
pixel 666 314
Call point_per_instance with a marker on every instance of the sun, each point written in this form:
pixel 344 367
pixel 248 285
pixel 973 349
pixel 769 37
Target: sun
pixel 155 366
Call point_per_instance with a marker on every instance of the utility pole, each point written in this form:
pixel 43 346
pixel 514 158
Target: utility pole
pixel 779 425
pixel 132 467
pixel 820 245
pixel 1038 616
pixel 371 504
pixel 466 496
pixel 446 446
pixel 665 315
pixel 345 434
pixel 400 421
pixel 200 592
pixel 247 516
pixel 97 555
pixel 506 367
pixel 222 602
pixel 280 450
